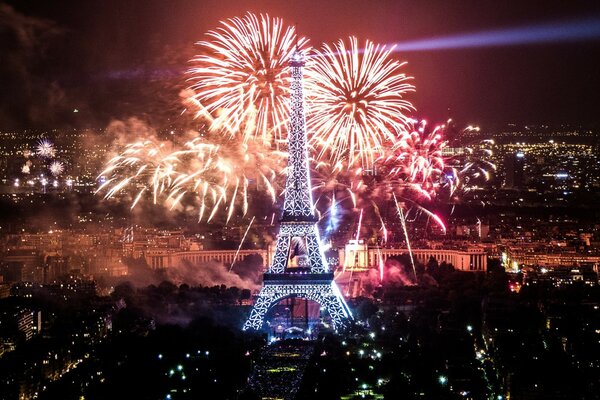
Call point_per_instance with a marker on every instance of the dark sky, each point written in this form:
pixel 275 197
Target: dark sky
pixel 114 58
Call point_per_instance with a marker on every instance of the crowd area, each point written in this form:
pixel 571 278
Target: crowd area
pixel 278 371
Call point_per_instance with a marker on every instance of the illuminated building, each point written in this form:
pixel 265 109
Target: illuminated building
pixel 299 268
pixel 21 322
pixel 552 260
pixel 163 258
pixel 358 257
pixel 55 267
pixel 515 166
pixel 23 265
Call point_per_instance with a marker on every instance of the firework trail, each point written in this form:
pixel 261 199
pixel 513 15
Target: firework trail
pixel 381 264
pixel 356 101
pixel 403 222
pixel 333 222
pixel 241 78
pixel 383 227
pixel 359 224
pixel 241 243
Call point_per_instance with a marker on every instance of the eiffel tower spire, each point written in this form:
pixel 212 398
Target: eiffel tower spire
pixel 298 219
pixel 298 237
pixel 298 204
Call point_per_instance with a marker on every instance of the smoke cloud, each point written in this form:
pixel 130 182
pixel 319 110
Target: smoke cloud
pixel 215 273
pixel 32 99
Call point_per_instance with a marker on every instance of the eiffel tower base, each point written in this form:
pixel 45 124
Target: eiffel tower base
pixel 317 287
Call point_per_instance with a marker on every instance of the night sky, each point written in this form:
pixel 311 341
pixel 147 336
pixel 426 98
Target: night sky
pixel 118 58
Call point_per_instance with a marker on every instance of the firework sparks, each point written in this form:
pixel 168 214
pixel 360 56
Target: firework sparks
pixel 403 222
pixel 241 78
pixel 356 101
pixel 359 224
pixel 416 161
pixel 219 176
pixel 56 168
pixel 222 174
pixel 334 189
pixel 45 149
pixel 471 164
pixel 241 243
pixel 145 165
pixel 26 168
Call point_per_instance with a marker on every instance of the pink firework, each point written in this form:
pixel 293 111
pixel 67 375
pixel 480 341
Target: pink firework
pixel 416 160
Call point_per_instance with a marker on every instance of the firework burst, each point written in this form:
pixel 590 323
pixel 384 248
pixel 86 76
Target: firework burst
pixel 222 175
pixel 241 78
pixel 356 119
pixel 466 165
pixel 217 175
pixel 356 101
pixel 26 168
pixel 45 149
pixel 429 161
pixel 56 168
pixel 147 166
pixel 416 161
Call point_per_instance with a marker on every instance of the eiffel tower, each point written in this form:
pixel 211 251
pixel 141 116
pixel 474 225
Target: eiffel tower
pixel 299 268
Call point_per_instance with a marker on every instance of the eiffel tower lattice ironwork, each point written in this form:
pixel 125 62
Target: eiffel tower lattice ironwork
pixel 298 239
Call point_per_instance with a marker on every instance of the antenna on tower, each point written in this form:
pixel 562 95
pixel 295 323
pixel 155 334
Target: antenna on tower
pixel 296 32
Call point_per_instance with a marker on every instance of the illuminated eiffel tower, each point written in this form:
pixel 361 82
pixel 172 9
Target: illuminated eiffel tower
pixel 299 268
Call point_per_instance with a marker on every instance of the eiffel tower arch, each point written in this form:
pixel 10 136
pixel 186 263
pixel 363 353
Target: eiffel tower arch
pixel 298 238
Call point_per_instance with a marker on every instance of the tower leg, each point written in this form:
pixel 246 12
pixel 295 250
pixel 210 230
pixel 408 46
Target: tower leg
pixel 317 262
pixel 280 259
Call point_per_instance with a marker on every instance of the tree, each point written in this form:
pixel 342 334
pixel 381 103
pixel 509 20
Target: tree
pixel 432 265
pixel 245 294
pixel 124 291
